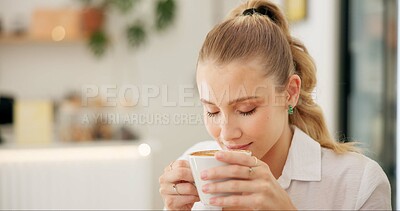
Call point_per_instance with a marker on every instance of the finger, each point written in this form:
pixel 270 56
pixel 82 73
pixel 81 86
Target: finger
pixel 232 171
pixel 237 158
pixel 175 201
pixel 177 175
pixel 232 186
pixel 248 201
pixel 182 188
pixel 177 164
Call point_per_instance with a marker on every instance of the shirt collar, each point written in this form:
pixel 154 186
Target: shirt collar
pixel 303 162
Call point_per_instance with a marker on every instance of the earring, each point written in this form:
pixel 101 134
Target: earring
pixel 290 110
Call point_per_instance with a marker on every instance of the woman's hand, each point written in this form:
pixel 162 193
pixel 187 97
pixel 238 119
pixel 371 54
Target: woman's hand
pixel 253 187
pixel 177 186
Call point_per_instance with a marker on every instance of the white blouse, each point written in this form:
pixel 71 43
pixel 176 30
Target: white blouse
pixel 318 178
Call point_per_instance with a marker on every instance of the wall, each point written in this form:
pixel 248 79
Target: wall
pixel 47 71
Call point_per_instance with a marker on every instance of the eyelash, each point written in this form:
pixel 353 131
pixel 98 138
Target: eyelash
pixel 248 113
pixel 209 114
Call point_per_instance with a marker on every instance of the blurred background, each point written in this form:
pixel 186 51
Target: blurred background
pixel 97 97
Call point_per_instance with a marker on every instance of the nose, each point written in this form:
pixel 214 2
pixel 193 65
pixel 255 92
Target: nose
pixel 230 129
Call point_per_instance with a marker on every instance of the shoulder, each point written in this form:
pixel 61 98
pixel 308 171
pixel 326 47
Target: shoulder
pixel 359 174
pixel 350 162
pixel 344 170
pixel 203 145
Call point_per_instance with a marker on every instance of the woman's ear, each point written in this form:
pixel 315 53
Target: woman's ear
pixel 293 90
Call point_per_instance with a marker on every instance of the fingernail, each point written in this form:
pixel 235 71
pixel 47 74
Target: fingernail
pixel 203 175
pixel 212 201
pixel 205 188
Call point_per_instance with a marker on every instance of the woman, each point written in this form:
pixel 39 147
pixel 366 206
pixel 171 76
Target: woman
pixel 255 83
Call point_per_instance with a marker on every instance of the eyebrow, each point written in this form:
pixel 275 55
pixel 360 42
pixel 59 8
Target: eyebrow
pixel 232 101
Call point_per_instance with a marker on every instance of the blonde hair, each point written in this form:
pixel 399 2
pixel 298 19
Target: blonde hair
pixel 265 35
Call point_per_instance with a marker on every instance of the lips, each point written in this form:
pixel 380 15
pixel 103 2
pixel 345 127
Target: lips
pixel 242 147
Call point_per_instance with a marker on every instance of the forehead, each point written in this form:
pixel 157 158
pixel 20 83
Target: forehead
pixel 238 78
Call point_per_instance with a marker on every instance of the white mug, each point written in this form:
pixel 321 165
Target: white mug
pixel 198 163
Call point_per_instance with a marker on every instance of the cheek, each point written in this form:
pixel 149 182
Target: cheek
pixel 265 126
pixel 257 125
pixel 212 128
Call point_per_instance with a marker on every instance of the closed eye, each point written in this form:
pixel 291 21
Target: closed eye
pixel 209 114
pixel 248 113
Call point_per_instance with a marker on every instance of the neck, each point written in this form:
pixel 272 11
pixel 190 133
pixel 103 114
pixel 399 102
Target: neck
pixel 277 155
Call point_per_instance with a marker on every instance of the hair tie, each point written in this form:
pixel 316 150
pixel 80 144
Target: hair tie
pixel 263 11
pixel 250 11
pixel 260 10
